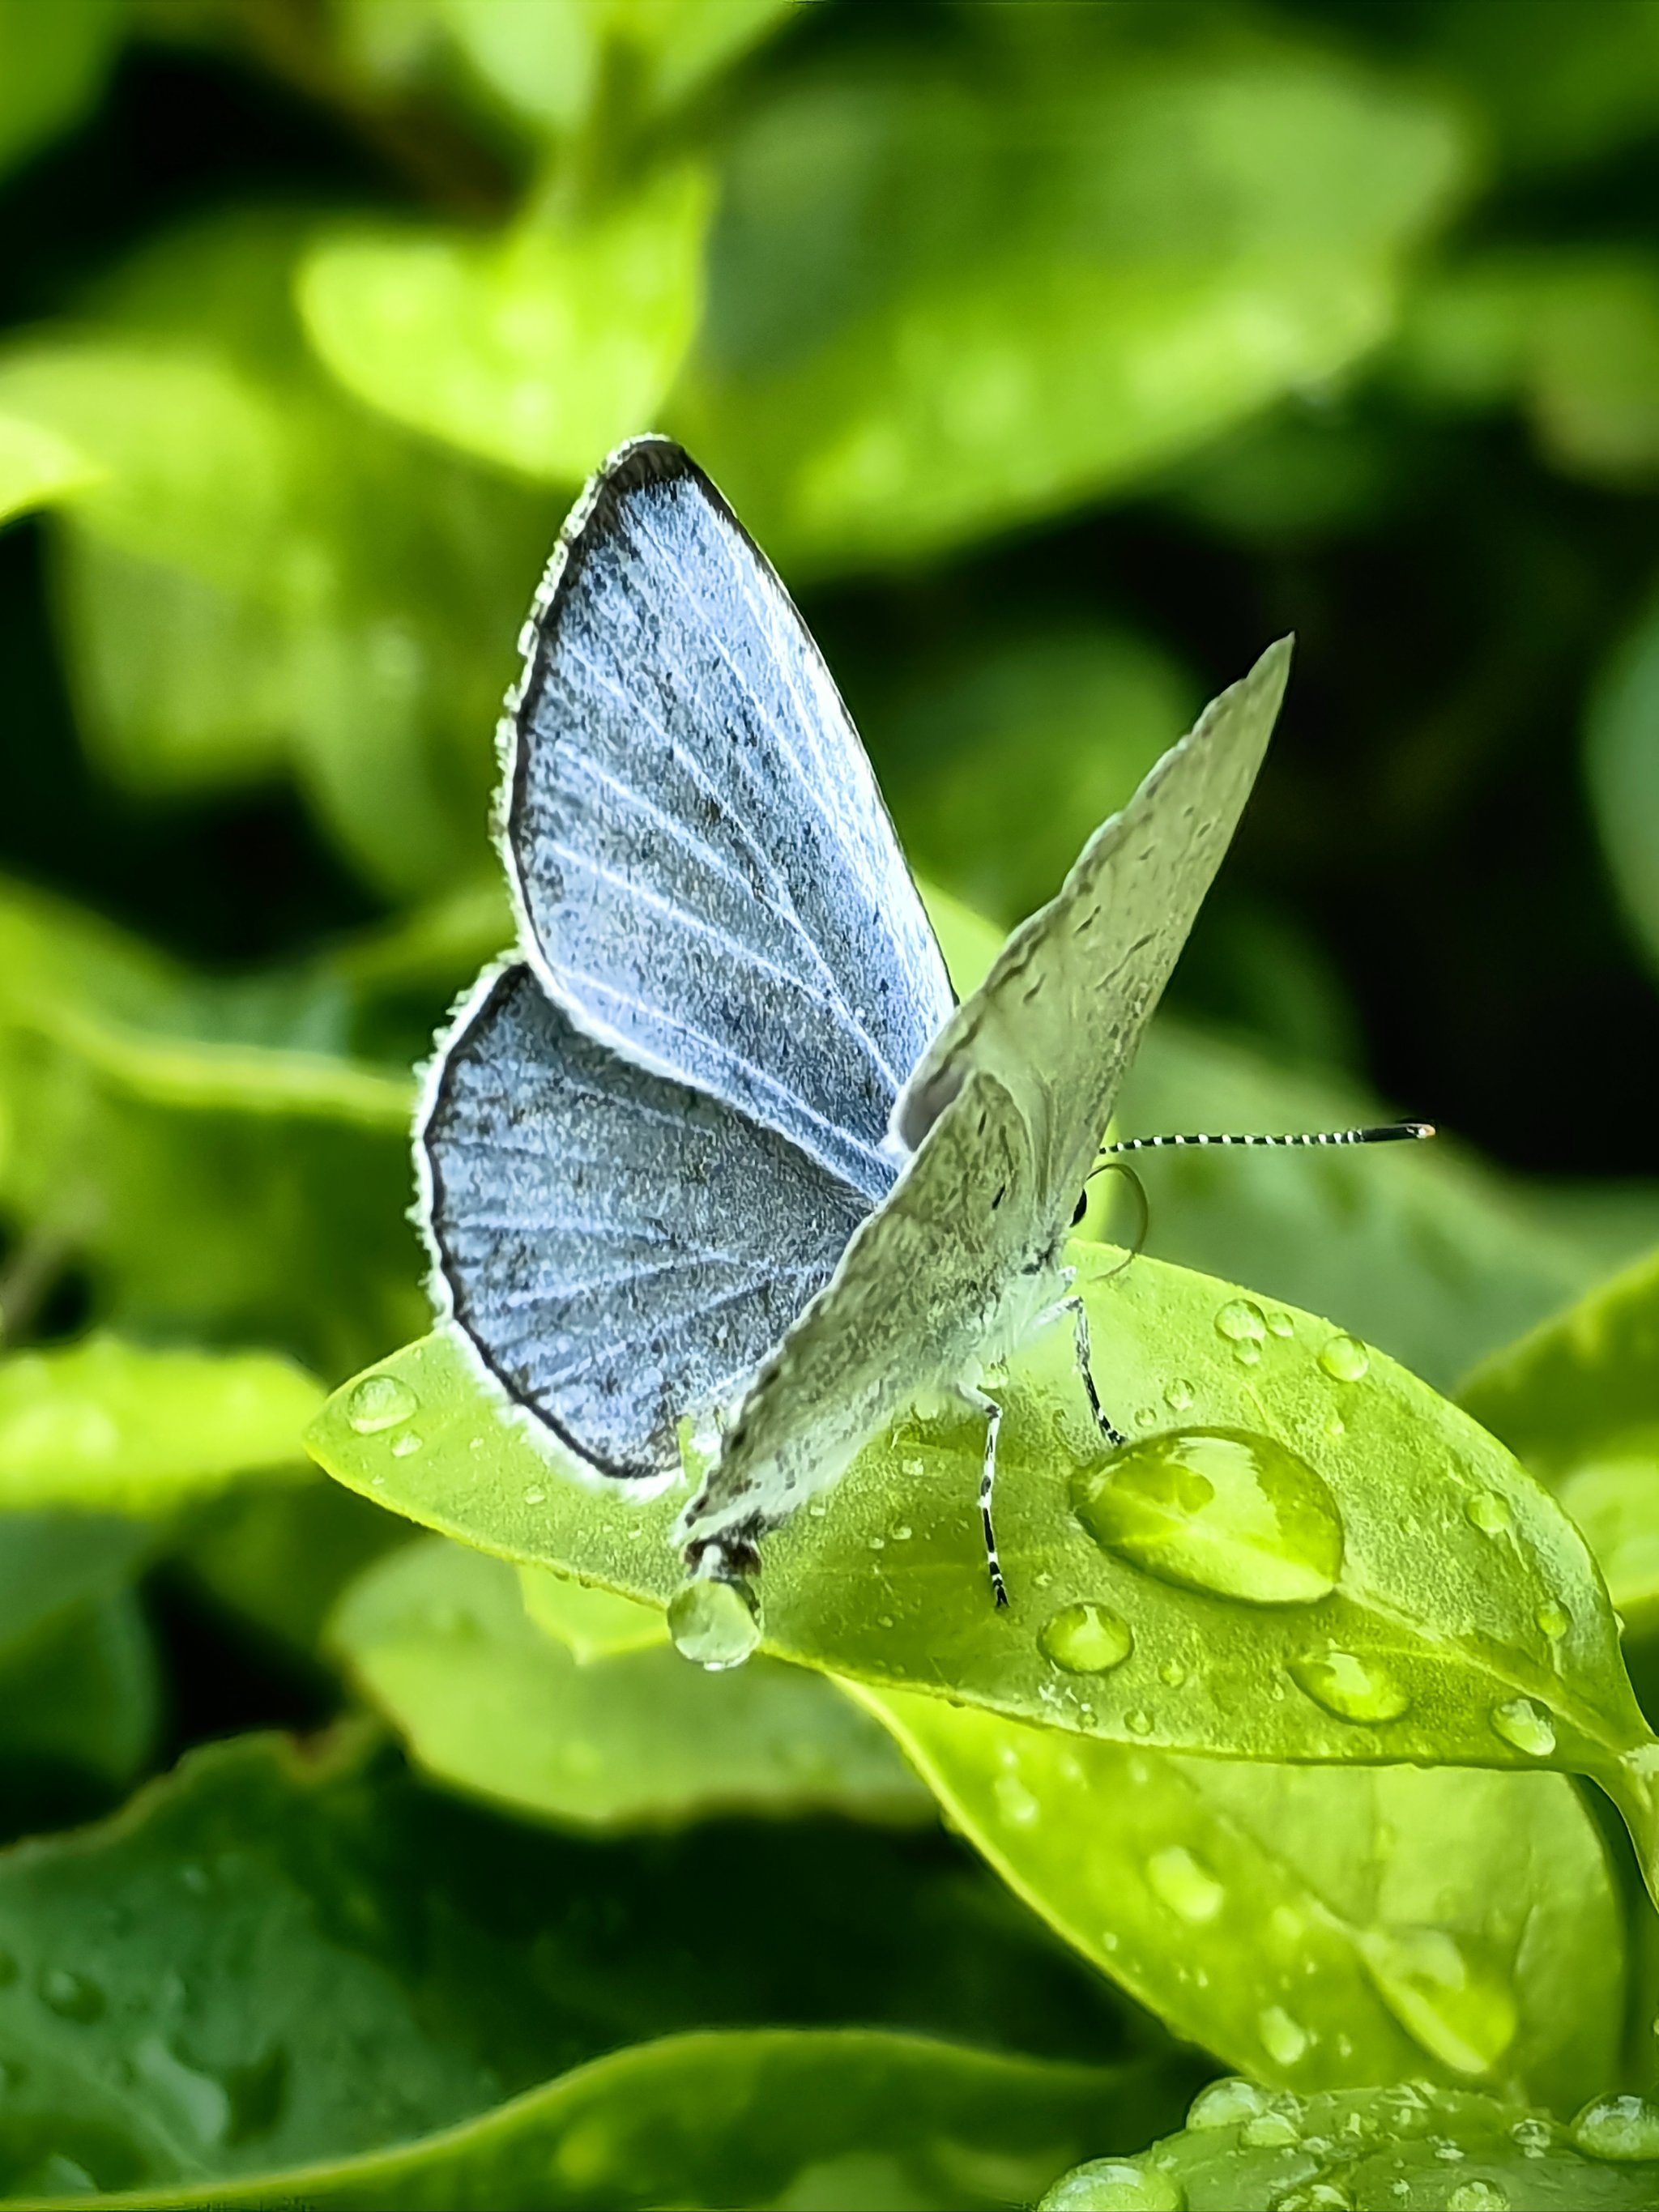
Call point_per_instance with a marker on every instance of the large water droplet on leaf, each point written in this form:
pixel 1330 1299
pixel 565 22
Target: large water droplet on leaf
pixel 1352 1688
pixel 714 1624
pixel 1114 2185
pixel 1524 1723
pixel 1619 2128
pixel 379 1402
pixel 1456 2004
pixel 1345 1359
pixel 1240 1321
pixel 1229 2103
pixel 1086 1639
pixel 1219 1511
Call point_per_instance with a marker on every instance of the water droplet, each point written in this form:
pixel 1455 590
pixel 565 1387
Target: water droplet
pixel 1553 1619
pixel 1086 1639
pixel 1454 2002
pixel 878 1543
pixel 72 1996
pixel 411 1441
pixel 1015 1801
pixel 715 1625
pixel 1229 2103
pixel 1179 1395
pixel 1352 1688
pixel 1247 1354
pixel 902 1534
pixel 1172 1672
pixel 1216 1509
pixel 1279 1322
pixel 1312 2196
pixel 1524 1723
pixel 1114 2185
pixel 1477 2194
pixel 1240 1322
pixel 1619 2128
pixel 535 1495
pixel 1345 1359
pixel 1283 2039
pixel 1140 1722
pixel 1487 1512
pixel 1146 1417
pixel 1275 2129
pixel 1532 2138
pixel 379 1402
pixel 1186 1885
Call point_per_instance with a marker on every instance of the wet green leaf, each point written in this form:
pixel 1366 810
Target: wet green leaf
pixel 37 466
pixel 855 2118
pixel 539 351
pixel 124 1429
pixel 1407 2148
pixel 1322 1927
pixel 438 1639
pixel 941 305
pixel 1262 1542
pixel 1578 1398
pixel 203 1147
pixel 52 63
pixel 276 1957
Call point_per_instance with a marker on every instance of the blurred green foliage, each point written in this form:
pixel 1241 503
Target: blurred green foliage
pixel 1060 355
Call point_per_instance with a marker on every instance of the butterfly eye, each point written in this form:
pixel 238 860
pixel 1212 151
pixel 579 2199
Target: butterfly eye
pixel 1080 1208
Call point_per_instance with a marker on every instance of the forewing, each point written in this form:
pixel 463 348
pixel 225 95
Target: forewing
pixel 617 1247
pixel 1060 1015
pixel 913 1305
pixel 705 866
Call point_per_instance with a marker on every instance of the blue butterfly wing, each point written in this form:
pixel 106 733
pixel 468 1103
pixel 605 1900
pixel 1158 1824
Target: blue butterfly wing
pixel 706 871
pixel 617 1246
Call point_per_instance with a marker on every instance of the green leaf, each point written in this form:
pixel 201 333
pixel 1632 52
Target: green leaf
pixel 279 1555
pixel 124 1428
pixel 53 1566
pixel 1578 1401
pixel 85 1694
pixel 855 2118
pixel 276 1957
pixel 1267 1584
pixel 438 1639
pixel 943 304
pixel 37 467
pixel 540 350
pixel 52 65
pixel 222 1170
pixel 592 1624
pixel 1407 2148
pixel 1623 781
pixel 1323 1928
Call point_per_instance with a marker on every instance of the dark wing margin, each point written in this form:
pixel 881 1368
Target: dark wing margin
pixel 616 1249
pixel 706 873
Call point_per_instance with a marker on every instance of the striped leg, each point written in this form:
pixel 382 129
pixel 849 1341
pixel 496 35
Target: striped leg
pixel 993 1413
pixel 1079 1313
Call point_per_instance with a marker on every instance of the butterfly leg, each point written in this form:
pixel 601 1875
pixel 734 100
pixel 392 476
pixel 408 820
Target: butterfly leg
pixel 1079 1313
pixel 993 1413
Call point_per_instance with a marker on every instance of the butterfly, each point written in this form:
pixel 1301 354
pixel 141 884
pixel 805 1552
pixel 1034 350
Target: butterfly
pixel 721 1136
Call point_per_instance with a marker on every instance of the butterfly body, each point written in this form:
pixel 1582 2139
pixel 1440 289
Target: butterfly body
pixel 719 1137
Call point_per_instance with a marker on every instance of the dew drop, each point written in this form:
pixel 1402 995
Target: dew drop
pixel 1172 1672
pixel 1477 2194
pixel 1247 1354
pixel 1186 1885
pixel 1114 2185
pixel 1179 1395
pixel 379 1402
pixel 1140 1722
pixel 1283 2038
pixel 1229 2103
pixel 1352 1688
pixel 1344 1359
pixel 1146 1417
pixel 1240 1322
pixel 1456 2004
pixel 714 1624
pixel 1216 1509
pixel 535 1495
pixel 1280 1323
pixel 1086 1639
pixel 1524 1723
pixel 1015 1802
pixel 1487 1512
pixel 1321 2196
pixel 1553 1619
pixel 1619 2128
pixel 72 1996
pixel 1532 2138
pixel 878 1543
pixel 411 1441
pixel 1275 2128
pixel 902 1534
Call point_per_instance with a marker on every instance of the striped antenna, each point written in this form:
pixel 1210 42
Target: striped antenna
pixel 1389 1133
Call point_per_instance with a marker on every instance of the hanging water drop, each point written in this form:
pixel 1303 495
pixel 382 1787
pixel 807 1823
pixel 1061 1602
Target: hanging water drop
pixel 1524 1723
pixel 714 1624
pixel 1086 1638
pixel 379 1402
pixel 1345 1359
pixel 1354 1689
pixel 1218 1511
